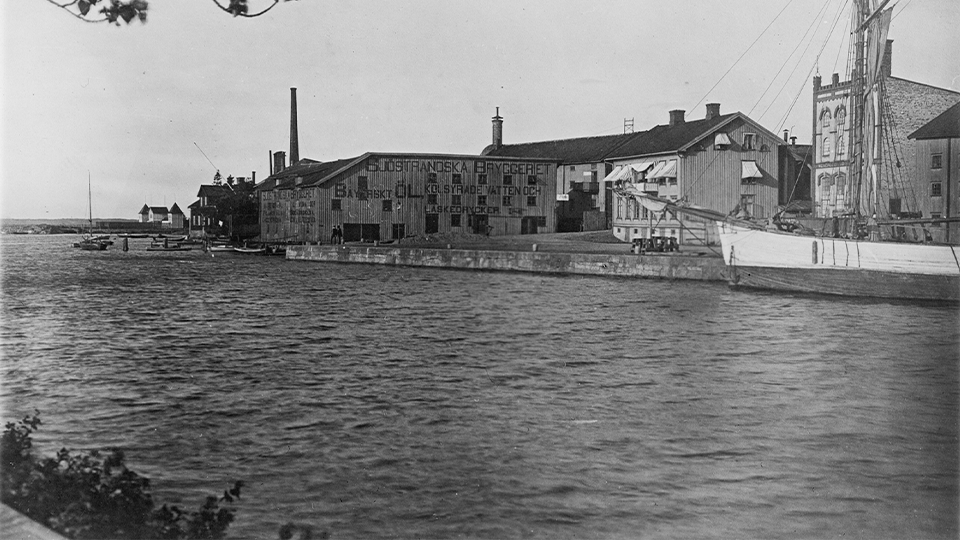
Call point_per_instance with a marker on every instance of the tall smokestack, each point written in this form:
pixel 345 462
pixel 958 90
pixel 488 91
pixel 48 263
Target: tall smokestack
pixel 294 140
pixel 497 130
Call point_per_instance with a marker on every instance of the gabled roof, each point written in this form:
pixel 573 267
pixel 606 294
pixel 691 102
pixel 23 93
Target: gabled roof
pixel 158 209
pixel 176 209
pixel 578 150
pixel 944 126
pixel 657 140
pixel 145 209
pixel 311 172
pixel 213 190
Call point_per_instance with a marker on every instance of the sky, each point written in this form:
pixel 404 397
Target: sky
pixel 148 112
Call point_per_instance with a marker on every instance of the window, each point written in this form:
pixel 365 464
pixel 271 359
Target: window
pixel 457 178
pixel 432 198
pixel 748 141
pixel 531 200
pixel 826 146
pixel 531 180
pixel 935 215
pixel 387 205
pixel 335 204
pixel 619 209
pixel 541 221
pixel 936 189
pixel 573 167
pixel 432 178
pixel 481 178
pixel 456 200
pixel 508 179
pixel 455 220
pixel 936 161
pixel 481 200
pixel 507 200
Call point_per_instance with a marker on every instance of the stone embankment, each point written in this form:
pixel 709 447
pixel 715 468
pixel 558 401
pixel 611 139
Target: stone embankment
pixel 551 254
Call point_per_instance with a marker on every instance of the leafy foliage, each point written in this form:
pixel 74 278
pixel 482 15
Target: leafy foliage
pixel 238 209
pixel 94 496
pixel 114 11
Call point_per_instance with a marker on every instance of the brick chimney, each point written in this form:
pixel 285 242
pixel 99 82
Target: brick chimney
pixel 676 117
pixel 497 130
pixel 279 161
pixel 294 140
pixel 886 63
pixel 713 110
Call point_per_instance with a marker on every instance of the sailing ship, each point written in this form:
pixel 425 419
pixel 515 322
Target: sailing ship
pixel 89 242
pixel 860 255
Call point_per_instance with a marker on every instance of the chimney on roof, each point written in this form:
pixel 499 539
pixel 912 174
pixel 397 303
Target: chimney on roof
pixel 793 141
pixel 676 117
pixel 497 130
pixel 279 161
pixel 253 177
pixel 294 140
pixel 786 133
pixel 886 63
pixel 713 110
pixel 835 79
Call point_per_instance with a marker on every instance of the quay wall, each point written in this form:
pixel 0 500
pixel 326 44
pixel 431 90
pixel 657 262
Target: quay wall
pixel 672 266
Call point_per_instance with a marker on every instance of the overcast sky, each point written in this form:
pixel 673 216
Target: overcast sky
pixel 131 105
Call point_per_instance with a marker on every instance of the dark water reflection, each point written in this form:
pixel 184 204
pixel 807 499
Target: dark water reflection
pixel 417 403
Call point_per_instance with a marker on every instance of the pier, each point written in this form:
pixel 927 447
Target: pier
pixel 548 254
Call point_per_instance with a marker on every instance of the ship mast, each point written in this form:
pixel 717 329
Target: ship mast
pixel 855 68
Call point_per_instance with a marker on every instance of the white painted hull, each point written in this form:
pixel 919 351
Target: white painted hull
pixel 782 261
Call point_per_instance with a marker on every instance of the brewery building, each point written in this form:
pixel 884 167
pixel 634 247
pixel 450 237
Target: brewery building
pixel 386 197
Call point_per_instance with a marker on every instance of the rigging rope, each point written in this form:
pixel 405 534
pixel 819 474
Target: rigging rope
pixel 813 23
pixel 742 55
pixel 786 61
pixel 783 120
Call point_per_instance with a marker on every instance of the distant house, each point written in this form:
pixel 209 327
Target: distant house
pixel 163 218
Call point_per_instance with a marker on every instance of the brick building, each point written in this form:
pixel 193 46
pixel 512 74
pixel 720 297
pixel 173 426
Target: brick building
pixel 908 106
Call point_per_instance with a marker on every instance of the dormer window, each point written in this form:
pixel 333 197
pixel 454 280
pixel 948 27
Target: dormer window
pixel 721 141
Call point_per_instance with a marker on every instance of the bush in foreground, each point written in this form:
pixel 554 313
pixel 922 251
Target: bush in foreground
pixel 93 496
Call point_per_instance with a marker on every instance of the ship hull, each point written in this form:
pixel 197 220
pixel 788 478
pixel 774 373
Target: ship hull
pixel 778 261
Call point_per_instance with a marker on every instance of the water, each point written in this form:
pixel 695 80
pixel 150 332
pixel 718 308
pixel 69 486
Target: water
pixel 378 402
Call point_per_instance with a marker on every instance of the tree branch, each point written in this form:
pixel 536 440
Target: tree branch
pixel 66 7
pixel 238 8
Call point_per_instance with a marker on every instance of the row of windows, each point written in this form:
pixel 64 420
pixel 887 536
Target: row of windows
pixel 457 178
pixel 455 200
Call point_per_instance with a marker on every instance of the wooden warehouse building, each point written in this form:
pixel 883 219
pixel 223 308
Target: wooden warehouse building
pixel 387 197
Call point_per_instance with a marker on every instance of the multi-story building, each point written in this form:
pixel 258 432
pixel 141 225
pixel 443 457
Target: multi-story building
pixel 907 105
pixel 387 197
pixel 937 151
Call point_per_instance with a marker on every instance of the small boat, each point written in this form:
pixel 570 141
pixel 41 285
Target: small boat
pixel 90 242
pixel 170 247
pixel 133 235
pixel 220 248
pixel 251 250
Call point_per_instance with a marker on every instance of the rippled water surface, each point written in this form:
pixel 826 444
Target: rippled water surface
pixel 379 402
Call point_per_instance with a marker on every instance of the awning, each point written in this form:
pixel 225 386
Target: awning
pixel 667 169
pixel 614 174
pixel 642 166
pixel 721 139
pixel 749 169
